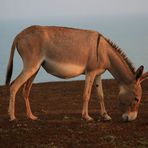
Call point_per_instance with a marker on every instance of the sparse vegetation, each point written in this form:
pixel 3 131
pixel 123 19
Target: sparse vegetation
pixel 60 124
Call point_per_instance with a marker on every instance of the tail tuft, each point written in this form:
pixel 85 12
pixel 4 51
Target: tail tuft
pixel 10 64
pixel 9 74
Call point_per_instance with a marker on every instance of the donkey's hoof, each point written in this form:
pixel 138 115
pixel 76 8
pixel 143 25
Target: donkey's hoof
pixel 32 117
pixel 106 117
pixel 88 119
pixel 12 119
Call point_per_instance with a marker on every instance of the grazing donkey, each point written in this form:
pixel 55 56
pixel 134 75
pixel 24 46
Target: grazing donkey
pixel 68 52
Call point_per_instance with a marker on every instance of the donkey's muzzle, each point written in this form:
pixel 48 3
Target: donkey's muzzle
pixel 129 116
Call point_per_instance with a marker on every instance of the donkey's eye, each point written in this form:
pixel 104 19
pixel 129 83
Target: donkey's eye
pixel 136 99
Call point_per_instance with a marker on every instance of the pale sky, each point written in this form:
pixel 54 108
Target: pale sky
pixel 25 9
pixel 74 13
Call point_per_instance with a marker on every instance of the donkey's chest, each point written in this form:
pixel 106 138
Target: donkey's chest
pixel 63 70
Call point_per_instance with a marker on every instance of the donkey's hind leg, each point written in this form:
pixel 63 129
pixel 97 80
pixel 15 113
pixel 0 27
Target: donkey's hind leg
pixel 26 92
pixel 19 81
pixel 100 94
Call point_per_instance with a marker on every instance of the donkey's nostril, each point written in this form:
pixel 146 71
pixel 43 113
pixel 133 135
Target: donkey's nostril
pixel 136 99
pixel 125 118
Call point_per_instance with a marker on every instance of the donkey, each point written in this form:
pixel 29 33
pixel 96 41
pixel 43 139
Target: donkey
pixel 69 52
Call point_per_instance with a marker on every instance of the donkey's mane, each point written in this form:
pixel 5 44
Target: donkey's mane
pixel 123 55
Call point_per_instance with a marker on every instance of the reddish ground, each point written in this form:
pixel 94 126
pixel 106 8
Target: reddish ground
pixel 58 106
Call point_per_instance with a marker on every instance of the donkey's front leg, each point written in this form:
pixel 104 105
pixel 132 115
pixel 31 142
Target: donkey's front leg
pixel 86 95
pixel 98 82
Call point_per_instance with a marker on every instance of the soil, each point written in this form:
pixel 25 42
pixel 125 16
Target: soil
pixel 58 106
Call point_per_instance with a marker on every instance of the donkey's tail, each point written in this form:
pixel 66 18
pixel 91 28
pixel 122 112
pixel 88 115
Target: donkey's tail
pixel 10 64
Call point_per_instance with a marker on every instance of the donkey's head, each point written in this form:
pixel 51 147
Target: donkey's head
pixel 130 96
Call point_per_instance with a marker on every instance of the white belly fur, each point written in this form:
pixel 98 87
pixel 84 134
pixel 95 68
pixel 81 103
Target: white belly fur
pixel 63 70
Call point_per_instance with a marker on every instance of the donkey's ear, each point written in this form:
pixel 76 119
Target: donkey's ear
pixel 139 72
pixel 144 77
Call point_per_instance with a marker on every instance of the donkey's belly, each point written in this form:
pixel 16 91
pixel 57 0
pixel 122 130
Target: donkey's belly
pixel 63 70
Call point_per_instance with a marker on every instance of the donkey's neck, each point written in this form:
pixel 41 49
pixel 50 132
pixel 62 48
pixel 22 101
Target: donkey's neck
pixel 119 67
